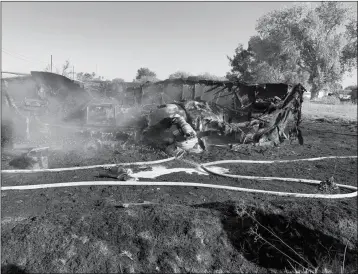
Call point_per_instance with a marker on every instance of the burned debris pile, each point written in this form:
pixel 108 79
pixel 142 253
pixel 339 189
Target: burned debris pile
pixel 189 114
pixel 278 122
pixel 255 119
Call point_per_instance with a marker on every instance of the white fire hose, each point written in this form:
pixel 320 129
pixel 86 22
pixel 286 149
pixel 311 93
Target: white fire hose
pixel 191 184
pixel 295 180
pixel 84 167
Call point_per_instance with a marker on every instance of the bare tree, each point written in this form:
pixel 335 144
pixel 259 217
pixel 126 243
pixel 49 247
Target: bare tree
pixel 65 68
pixel 48 68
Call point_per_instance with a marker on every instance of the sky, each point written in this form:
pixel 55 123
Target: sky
pixel 115 39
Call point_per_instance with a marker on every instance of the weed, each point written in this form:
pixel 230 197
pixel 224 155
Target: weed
pixel 324 264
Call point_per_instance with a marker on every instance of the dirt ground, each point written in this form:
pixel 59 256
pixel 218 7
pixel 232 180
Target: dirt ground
pixel 187 229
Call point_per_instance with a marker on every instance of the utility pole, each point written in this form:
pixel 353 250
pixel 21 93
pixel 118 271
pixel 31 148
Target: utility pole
pixel 51 62
pixel 73 72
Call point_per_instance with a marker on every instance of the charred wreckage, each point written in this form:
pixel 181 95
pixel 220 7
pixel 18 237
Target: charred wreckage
pixel 190 121
pixel 193 125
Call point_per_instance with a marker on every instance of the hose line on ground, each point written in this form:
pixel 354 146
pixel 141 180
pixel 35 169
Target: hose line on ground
pixel 190 184
pixel 183 184
pixel 85 167
pixel 171 159
pixel 307 181
pixel 278 161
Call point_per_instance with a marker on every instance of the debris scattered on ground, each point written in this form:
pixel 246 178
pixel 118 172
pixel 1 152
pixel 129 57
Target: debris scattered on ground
pixel 35 158
pixel 125 205
pixel 119 173
pixel 328 186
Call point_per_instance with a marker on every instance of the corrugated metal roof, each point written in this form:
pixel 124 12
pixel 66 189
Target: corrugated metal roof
pixel 55 80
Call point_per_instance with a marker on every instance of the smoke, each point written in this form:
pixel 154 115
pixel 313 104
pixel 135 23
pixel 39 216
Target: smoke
pixel 60 121
pixel 28 113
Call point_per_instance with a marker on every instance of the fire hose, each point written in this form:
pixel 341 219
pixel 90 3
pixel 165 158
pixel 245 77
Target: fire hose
pixel 85 167
pixel 192 184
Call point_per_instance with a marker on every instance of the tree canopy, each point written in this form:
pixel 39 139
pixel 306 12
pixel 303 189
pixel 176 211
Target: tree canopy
pixel 145 72
pixel 203 76
pixel 118 80
pixel 180 75
pixel 145 75
pixel 311 45
pixel 86 76
pixel 209 76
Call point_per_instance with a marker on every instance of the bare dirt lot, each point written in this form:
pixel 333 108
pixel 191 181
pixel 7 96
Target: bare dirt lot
pixel 187 229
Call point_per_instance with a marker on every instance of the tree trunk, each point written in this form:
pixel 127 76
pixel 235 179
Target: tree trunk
pixel 314 91
pixel 193 94
pixel 317 80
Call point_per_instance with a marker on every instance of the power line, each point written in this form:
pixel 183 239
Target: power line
pixel 57 69
pixel 16 56
pixel 21 55
pixel 22 58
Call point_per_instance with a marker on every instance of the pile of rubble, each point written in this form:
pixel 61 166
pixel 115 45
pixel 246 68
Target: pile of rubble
pixel 188 125
pixel 265 114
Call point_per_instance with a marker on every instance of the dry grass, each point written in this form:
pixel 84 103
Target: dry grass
pixel 169 239
pixel 342 111
pixel 328 100
pixel 325 266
